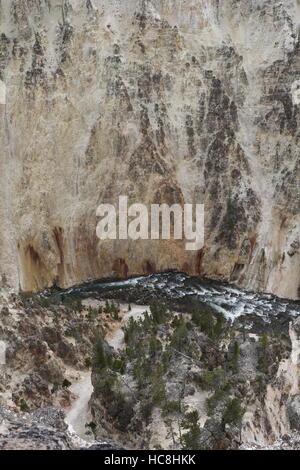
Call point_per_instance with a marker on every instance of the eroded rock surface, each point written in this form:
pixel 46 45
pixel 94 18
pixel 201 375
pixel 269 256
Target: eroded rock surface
pixel 45 430
pixel 48 349
pixel 162 101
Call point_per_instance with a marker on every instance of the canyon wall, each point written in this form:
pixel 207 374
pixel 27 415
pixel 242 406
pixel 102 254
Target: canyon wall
pixel 165 101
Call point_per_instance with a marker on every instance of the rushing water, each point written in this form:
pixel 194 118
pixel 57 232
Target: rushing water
pixel 179 288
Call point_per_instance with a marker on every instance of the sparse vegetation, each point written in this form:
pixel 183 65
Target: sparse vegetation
pixel 72 302
pixel 219 395
pixel 159 312
pixel 210 323
pixel 171 407
pixel 213 380
pixel 23 406
pixel 101 357
pixel 233 412
pixel 190 439
pixel 158 391
pixel 113 309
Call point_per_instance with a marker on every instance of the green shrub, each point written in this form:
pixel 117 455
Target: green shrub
pixel 216 398
pixel 105 385
pixel 92 313
pixel 233 412
pixel 100 358
pixel 91 425
pixel 146 322
pixel 130 332
pixel 213 380
pixel 36 299
pixel 155 346
pixel 118 365
pixel 205 320
pixel 146 409
pixel 23 406
pixel 72 302
pixel 260 385
pixel 88 362
pixel 66 383
pixel 113 309
pixel 142 369
pixel 44 302
pixel 158 391
pixel 166 358
pixel 171 407
pixel 179 338
pixel 219 326
pixel 159 312
pixel 190 439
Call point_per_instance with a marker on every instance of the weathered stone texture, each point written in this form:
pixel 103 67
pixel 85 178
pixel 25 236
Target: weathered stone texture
pixel 163 101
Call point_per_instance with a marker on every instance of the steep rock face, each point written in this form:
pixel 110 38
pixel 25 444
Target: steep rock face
pixel 278 413
pixel 162 101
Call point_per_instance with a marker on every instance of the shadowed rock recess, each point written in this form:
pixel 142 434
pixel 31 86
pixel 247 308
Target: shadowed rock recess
pixel 163 101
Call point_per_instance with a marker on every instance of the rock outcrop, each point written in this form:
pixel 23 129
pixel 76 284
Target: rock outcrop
pixel 162 101
pixel 294 412
pixel 43 431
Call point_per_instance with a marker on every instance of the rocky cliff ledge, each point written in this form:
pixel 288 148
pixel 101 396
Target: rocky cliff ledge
pixel 162 101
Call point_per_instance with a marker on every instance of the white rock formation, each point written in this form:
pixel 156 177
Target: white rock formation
pixel 2 93
pixel 2 352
